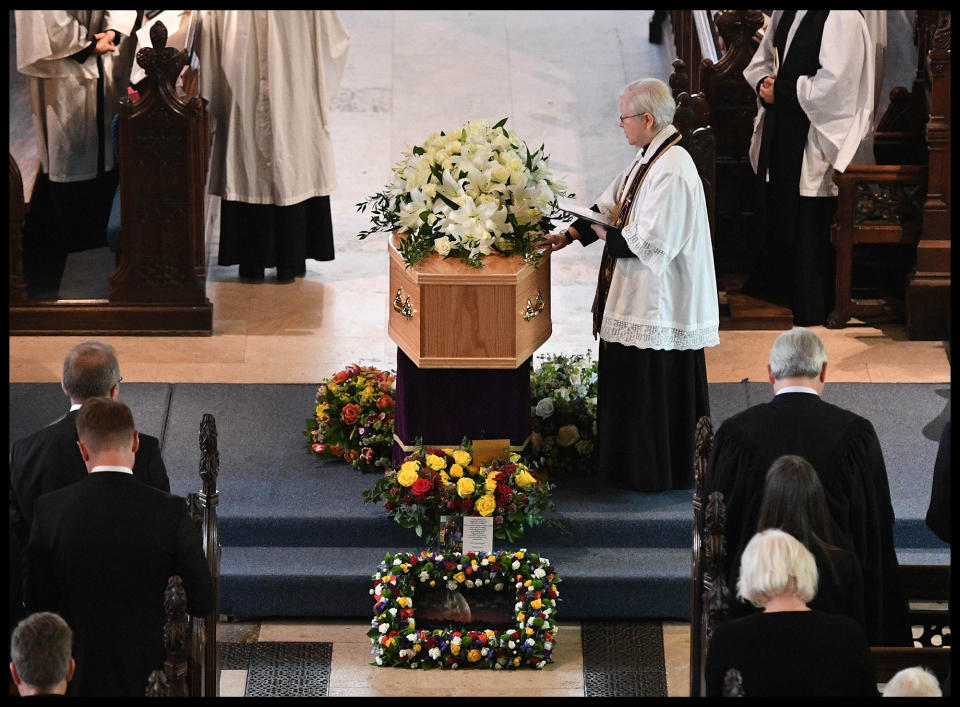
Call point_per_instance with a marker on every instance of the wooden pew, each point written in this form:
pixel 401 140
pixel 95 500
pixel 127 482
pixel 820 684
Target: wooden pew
pixel 192 665
pixel 159 285
pixel 710 596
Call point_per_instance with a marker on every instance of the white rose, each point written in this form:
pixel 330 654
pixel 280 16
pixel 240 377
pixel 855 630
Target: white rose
pixel 539 573
pixel 511 645
pixel 383 628
pixel 435 653
pixel 515 565
pixel 442 245
pixel 451 585
pixel 544 409
pixel 498 586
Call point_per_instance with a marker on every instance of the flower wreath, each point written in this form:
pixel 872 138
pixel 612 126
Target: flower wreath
pixel 397 642
pixel 353 418
pixel 435 482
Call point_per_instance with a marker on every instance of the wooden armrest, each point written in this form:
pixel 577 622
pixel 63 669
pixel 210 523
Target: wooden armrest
pixel 880 174
pixel 888 660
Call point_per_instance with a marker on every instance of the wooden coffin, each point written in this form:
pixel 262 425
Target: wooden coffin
pixel 444 314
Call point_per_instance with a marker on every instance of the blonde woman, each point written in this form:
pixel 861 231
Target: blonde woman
pixel 789 649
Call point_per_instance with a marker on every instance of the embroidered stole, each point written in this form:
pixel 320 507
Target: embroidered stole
pixel 624 204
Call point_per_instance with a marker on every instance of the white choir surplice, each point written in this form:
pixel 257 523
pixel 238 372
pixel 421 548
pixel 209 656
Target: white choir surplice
pixel 63 91
pixel 838 99
pixel 270 77
pixel 666 297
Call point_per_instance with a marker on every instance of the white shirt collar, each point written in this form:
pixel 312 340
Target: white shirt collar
pixel 797 389
pixel 644 154
pixel 104 467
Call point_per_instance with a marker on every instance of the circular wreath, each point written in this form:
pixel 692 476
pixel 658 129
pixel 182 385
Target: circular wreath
pixel 353 418
pixel 435 482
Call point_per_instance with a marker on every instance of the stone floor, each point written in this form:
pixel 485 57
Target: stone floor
pixel 556 76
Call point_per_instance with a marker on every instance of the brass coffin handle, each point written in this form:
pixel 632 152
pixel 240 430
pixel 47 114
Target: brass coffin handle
pixel 533 307
pixel 401 306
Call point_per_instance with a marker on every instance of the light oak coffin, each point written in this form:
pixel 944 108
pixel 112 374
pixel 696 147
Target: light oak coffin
pixel 444 314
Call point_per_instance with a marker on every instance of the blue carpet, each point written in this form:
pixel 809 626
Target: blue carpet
pixel 299 541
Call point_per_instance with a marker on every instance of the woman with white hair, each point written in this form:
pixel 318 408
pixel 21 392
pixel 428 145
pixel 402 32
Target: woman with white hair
pixel 656 304
pixel 788 650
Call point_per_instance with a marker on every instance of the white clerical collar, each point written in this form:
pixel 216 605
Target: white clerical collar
pixel 797 389
pixel 105 467
pixel 76 406
pixel 646 152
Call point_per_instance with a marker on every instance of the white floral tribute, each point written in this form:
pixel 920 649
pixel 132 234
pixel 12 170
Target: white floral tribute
pixel 468 193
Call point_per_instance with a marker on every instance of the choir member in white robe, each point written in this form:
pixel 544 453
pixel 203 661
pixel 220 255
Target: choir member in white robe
pixel 656 307
pixel 270 77
pixel 77 69
pixel 814 76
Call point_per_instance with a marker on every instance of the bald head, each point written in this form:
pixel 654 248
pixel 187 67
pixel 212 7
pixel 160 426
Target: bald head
pixel 90 370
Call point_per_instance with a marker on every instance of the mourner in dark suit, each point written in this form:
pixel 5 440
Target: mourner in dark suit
pixel 101 552
pixel 49 459
pixel 843 449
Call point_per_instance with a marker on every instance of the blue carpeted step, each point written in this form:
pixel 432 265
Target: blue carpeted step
pixel 608 582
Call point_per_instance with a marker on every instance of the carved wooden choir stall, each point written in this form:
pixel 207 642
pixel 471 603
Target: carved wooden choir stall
pixel 159 284
pixel 903 201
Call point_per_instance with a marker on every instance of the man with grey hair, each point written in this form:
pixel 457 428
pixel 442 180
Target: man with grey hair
pixel 656 306
pixel 844 450
pixel 49 459
pixel 40 655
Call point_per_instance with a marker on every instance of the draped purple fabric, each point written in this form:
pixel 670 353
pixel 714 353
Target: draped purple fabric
pixel 444 405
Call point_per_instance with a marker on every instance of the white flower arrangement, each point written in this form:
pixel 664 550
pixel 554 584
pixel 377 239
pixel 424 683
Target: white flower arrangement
pixel 468 193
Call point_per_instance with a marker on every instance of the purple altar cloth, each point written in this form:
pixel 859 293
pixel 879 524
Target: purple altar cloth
pixel 444 405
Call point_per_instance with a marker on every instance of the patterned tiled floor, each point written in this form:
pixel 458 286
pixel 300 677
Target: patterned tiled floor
pixel 332 657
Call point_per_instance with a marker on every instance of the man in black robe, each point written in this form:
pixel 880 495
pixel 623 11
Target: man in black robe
pixel 813 73
pixel 845 452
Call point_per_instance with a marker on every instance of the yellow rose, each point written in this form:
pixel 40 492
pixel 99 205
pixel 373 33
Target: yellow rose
pixel 567 435
pixel 523 479
pixel 456 471
pixel 407 477
pixel 459 577
pixel 529 631
pixel 403 601
pixel 455 648
pixel 490 484
pixel 465 487
pixel 473 656
pixel 516 661
pixel 436 463
pixel 536 604
pixel 521 616
pixel 413 466
pixel 461 457
pixel 486 505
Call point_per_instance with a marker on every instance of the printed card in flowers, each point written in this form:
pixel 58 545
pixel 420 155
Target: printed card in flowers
pixel 444 482
pixel 447 610
pixel 353 418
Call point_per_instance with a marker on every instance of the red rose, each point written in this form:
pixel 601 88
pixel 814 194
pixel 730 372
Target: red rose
pixel 384 402
pixel 467 504
pixel 504 490
pixel 421 487
pixel 451 505
pixel 509 469
pixel 439 452
pixel 351 413
pixel 389 505
pixel 408 499
pixel 395 491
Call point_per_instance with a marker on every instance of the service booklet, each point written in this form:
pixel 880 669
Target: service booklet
pixel 583 212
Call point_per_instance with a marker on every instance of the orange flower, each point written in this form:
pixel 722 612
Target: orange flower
pixel 384 402
pixel 350 455
pixel 351 413
pixel 340 376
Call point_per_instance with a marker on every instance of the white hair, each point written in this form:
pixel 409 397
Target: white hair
pixel 773 564
pixel 913 682
pixel 651 96
pixel 797 353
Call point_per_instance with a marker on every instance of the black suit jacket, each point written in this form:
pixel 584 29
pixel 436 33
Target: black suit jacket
pixel 844 450
pixel 47 460
pixel 100 554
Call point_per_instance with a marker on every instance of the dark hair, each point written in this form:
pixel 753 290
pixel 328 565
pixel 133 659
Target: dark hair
pixel 794 501
pixel 40 648
pixel 90 370
pixel 103 423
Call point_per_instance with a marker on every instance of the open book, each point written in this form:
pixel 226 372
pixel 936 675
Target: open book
pixel 583 212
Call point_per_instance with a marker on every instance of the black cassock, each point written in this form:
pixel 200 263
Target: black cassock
pixel 845 452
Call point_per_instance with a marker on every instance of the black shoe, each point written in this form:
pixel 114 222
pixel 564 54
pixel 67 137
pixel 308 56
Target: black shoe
pixel 285 276
pixel 251 274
